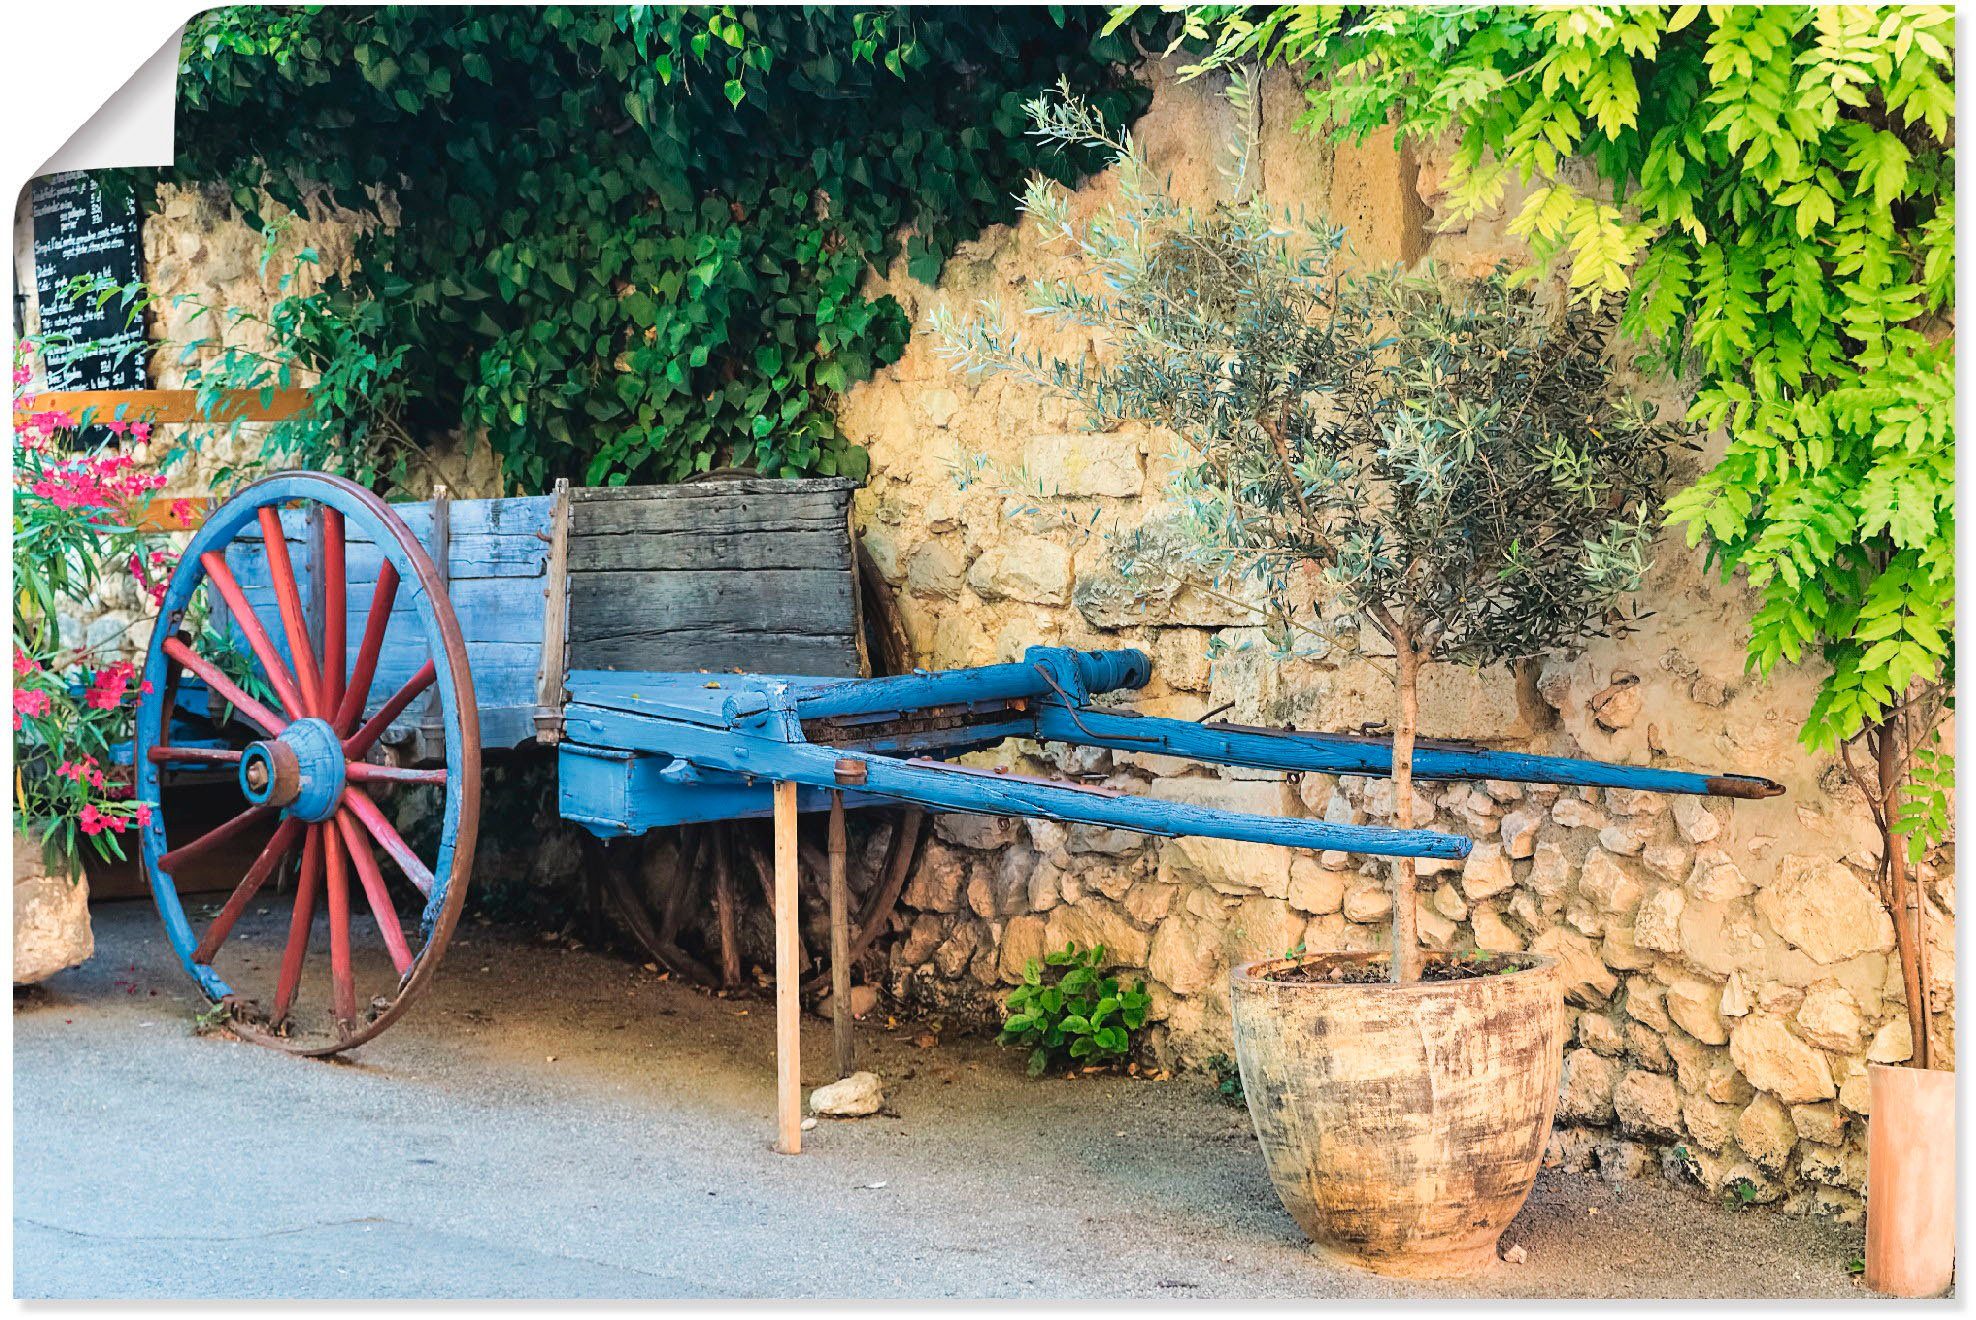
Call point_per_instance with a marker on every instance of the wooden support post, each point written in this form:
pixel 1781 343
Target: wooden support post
pixel 840 943
pixel 788 970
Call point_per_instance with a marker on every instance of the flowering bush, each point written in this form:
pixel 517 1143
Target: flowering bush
pixel 75 516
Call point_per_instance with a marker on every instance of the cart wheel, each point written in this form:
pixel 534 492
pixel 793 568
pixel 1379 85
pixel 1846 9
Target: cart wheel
pixel 309 796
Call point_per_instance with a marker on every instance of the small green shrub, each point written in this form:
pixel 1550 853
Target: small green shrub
pixel 1228 1078
pixel 1081 1014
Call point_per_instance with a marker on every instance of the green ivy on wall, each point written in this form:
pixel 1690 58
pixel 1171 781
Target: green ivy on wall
pixel 630 242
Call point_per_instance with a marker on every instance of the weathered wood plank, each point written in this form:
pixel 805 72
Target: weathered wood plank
pixel 813 602
pixel 732 511
pixel 716 548
pixel 720 650
pixel 712 489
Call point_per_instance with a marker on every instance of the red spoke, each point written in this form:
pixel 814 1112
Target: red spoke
pixel 342 989
pixel 212 838
pixel 360 742
pixel 299 923
pixel 227 689
pixel 201 755
pixel 363 772
pixel 335 619
pixel 381 908
pixel 264 650
pixel 288 599
pixel 369 649
pixel 250 884
pixel 392 842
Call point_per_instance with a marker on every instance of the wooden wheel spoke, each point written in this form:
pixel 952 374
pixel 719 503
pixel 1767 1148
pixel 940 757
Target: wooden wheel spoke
pixel 388 838
pixel 229 691
pixel 213 837
pixel 342 986
pixel 335 619
pixel 258 640
pixel 378 896
pixel 300 921
pixel 288 600
pixel 278 847
pixel 363 772
pixel 362 740
pixel 368 650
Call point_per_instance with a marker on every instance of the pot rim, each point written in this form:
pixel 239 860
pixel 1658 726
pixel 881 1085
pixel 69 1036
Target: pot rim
pixel 1874 1067
pixel 1250 974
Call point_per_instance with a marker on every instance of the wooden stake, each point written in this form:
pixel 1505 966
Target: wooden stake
pixel 726 910
pixel 840 943
pixel 788 955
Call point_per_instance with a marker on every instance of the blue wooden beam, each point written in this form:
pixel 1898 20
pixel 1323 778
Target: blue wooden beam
pixel 948 788
pixel 1287 749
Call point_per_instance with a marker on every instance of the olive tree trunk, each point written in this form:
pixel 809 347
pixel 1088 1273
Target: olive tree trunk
pixel 1900 891
pixel 1406 719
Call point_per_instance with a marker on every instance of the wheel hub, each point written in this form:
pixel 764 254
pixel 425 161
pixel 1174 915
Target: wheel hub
pixel 300 772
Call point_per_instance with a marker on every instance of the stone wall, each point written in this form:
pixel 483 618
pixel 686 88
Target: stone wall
pixel 1730 969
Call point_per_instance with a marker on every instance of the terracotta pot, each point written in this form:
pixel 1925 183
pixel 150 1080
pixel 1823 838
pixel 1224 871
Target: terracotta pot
pixel 1402 1125
pixel 1910 1181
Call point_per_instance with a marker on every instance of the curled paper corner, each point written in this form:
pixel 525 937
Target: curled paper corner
pixel 134 126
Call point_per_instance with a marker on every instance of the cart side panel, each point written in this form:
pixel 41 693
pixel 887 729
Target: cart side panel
pixel 750 574
pixel 496 565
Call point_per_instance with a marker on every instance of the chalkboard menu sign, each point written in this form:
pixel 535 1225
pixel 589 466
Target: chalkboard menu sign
pixel 77 231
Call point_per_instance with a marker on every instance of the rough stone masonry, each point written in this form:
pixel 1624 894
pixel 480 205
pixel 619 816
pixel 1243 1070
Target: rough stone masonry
pixel 1730 970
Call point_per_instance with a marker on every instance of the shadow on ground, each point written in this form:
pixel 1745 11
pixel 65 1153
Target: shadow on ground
pixel 549 1123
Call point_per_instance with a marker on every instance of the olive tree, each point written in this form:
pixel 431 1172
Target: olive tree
pixel 1452 456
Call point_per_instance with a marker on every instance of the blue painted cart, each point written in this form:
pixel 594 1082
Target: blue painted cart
pixel 367 652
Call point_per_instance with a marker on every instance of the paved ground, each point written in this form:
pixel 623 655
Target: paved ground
pixel 561 1124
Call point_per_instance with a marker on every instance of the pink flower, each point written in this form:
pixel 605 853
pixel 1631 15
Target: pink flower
pixel 25 663
pixel 91 820
pixel 106 692
pixel 143 814
pixel 30 701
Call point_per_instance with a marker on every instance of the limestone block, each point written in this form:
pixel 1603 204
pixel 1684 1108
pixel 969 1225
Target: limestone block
pixel 981 833
pixel 1368 902
pixel 1892 1043
pixel 1776 1061
pixel 1587 981
pixel 1628 838
pixel 1695 821
pixel 936 568
pixel 1186 954
pixel 1023 938
pixel 1314 889
pixel 1550 870
pixel 1085 465
pixel 1657 921
pixel 1669 861
pixel 1709 1124
pixel 1603 880
pixel 1600 1033
pixel 1766 1133
pixel 1095 922
pixel 1575 813
pixel 51 917
pixel 1585 1093
pixel 1519 831
pixel 1486 872
pixel 1820 906
pixel 1716 879
pixel 1646 1103
pixel 1024 568
pixel 1695 1007
pixel 1823 1123
pixel 1148 901
pixel 1492 933
pixel 937 881
pixel 1830 1019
